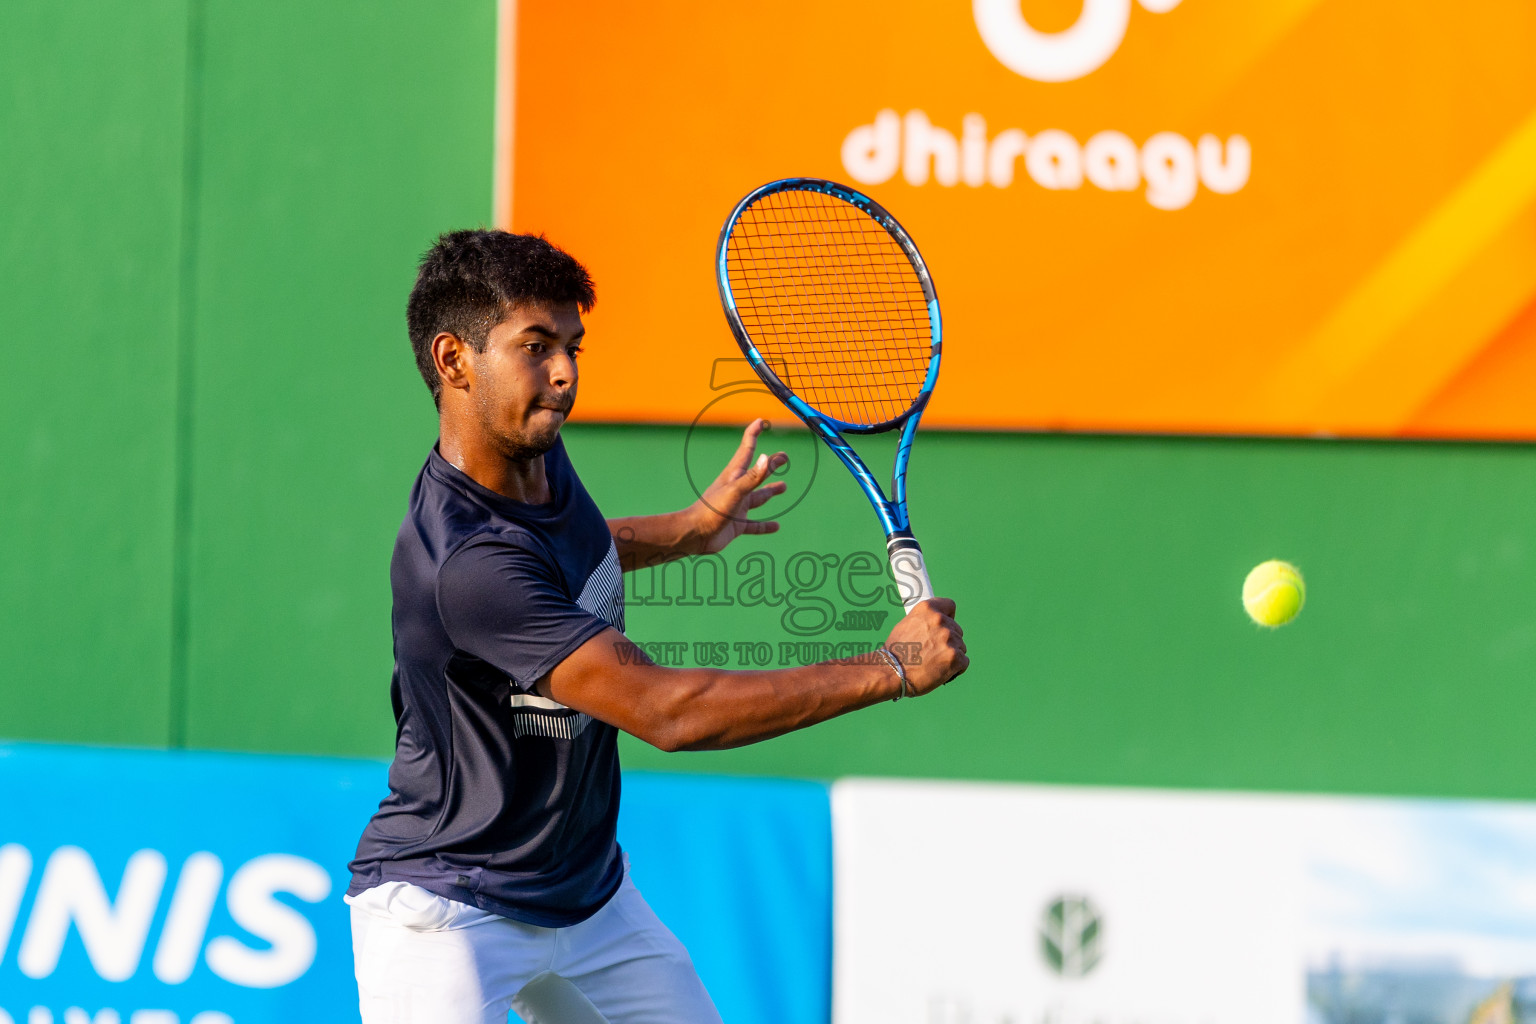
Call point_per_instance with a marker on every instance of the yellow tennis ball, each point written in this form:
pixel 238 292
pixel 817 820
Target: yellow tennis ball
pixel 1274 592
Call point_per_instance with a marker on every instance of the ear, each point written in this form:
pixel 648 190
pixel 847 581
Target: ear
pixel 450 355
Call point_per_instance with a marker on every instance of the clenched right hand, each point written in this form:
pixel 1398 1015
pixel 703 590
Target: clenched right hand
pixel 931 645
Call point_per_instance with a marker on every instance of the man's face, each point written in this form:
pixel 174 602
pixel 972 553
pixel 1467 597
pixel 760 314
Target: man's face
pixel 525 380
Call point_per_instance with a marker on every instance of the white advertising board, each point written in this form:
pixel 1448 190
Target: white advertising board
pixel 999 904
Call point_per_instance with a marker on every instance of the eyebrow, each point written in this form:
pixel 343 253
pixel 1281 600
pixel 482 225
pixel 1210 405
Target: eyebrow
pixel 543 331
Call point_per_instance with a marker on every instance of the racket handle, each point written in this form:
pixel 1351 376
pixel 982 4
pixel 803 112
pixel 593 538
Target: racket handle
pixel 910 571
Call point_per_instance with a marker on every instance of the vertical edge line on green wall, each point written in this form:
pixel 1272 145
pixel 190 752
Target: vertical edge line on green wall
pixel 505 128
pixel 186 318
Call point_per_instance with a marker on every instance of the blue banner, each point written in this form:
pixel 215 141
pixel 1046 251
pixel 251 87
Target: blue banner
pixel 149 887
pixel 741 871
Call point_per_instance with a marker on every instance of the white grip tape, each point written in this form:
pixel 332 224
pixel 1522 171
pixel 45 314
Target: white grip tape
pixel 911 575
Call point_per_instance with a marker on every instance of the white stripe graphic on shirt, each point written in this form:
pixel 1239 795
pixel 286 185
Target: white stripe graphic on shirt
pixel 555 727
pixel 603 594
pixel 528 700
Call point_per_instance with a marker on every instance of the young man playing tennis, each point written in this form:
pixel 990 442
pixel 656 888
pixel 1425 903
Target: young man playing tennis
pixel 490 878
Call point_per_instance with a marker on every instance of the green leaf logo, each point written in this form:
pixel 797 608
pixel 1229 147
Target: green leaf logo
pixel 1071 934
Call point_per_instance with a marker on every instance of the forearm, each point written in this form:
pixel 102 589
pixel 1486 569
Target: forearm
pixel 644 541
pixel 711 709
pixel 717 710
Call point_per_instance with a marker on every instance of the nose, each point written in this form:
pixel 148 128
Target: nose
pixel 562 370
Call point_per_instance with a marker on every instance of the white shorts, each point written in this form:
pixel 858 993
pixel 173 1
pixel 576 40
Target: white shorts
pixel 423 959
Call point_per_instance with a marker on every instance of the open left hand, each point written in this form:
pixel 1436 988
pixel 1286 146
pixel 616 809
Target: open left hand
pixel 720 516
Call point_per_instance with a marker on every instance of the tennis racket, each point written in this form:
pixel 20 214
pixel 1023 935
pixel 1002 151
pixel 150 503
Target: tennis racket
pixel 833 307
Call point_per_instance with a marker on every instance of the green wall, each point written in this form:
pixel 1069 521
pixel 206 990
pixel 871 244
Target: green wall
pixel 212 421
pixel 331 158
pixel 91 189
pixel 212 211
pixel 1098 582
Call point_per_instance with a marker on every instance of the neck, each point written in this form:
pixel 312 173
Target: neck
pixel 471 453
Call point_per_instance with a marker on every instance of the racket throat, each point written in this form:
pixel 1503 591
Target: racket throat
pixel 908 569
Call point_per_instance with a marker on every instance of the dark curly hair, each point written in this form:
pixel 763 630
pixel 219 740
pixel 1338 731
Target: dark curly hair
pixel 470 280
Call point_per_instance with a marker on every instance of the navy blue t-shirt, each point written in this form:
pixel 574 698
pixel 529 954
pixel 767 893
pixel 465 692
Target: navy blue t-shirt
pixel 498 798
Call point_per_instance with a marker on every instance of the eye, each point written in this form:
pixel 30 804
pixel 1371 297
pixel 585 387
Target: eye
pixel 573 351
pixel 535 347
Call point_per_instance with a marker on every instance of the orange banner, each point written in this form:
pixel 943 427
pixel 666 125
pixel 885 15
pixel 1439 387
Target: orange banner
pixel 1280 216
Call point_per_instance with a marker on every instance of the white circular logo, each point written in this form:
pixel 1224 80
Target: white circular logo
pixel 1057 56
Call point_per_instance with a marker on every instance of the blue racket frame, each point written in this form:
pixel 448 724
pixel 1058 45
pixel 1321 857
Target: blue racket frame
pixel 892 511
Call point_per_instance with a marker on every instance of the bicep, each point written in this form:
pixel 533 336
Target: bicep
pixel 610 678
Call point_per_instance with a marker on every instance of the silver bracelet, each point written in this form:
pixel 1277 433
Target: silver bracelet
pixel 898 668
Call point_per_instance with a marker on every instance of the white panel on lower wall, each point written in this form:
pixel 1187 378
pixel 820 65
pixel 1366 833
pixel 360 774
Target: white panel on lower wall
pixel 999 904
